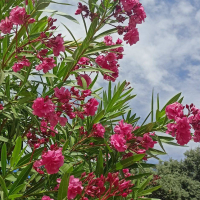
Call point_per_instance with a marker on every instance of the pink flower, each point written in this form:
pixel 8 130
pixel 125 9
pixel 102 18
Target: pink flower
pixel 118 142
pixel 75 187
pixel 129 4
pixel 183 135
pixel 174 110
pixel 100 60
pixel 46 65
pixel 53 160
pixel 6 25
pixel 46 198
pixel 108 40
pixel 78 11
pixel 171 129
pixel 91 107
pixel 18 66
pixel 87 79
pixel 58 46
pixel 119 41
pixel 86 93
pixel 196 136
pixel 98 130
pixel 124 129
pixel 1 107
pixel 83 61
pixel 18 15
pixel 132 36
pixel 148 141
pixel 62 94
pixel 141 151
pixel 140 14
pixel 111 57
pixel 42 108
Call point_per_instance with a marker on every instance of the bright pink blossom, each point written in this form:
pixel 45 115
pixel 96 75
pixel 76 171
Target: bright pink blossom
pixel 124 129
pixel 111 57
pixel 183 135
pixel 18 15
pixel 98 130
pixel 6 25
pixel 58 46
pixel 46 65
pixel 83 61
pixel 62 94
pixel 108 40
pixel 100 60
pixel 75 187
pixel 129 4
pixel 23 63
pixel 174 110
pixel 140 14
pixel 53 160
pixel 91 107
pixel 118 142
pixel 147 141
pixel 87 79
pixel 42 107
pixel 132 36
pixel 46 198
pixel 1 107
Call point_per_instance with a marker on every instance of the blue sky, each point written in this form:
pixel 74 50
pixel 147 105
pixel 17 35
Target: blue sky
pixel 167 57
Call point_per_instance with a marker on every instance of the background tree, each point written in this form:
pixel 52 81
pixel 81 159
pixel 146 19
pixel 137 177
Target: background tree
pixel 179 179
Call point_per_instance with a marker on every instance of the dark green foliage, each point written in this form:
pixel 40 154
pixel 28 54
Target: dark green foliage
pixel 179 180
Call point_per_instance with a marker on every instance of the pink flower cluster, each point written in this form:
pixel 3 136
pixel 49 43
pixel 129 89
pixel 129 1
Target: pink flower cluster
pixel 75 187
pixel 110 59
pixel 52 160
pixel 46 198
pixel 181 128
pixel 98 130
pixel 123 133
pixel 46 109
pixel 134 10
pixel 105 187
pixel 18 16
pixel 20 64
pixel 81 9
pixel 87 79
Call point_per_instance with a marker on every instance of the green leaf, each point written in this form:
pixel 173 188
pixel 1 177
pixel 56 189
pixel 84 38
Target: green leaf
pixel 50 75
pixel 98 117
pixel 3 186
pixel 42 4
pixel 145 192
pixel 2 75
pixel 137 176
pixel 145 183
pixel 108 32
pixel 16 152
pixel 172 100
pixel 3 159
pixel 3 139
pixel 128 161
pixel 62 191
pixel 18 188
pixel 100 49
pixel 27 157
pixel 99 166
pixel 84 83
pixel 21 178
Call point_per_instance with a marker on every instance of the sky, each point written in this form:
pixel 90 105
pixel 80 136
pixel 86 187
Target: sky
pixel 166 59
